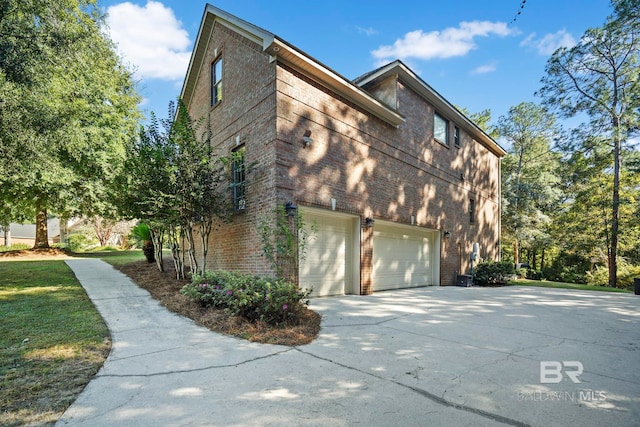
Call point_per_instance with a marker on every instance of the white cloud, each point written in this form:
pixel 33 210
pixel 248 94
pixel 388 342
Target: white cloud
pixel 484 69
pixel 447 43
pixel 550 42
pixel 368 31
pixel 151 38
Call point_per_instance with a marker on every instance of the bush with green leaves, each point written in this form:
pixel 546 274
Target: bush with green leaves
pixel 491 273
pixel 257 298
pixel 568 268
pixel 533 274
pixel 79 242
pixel 625 275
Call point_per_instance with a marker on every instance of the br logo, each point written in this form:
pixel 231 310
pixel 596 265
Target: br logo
pixel 551 372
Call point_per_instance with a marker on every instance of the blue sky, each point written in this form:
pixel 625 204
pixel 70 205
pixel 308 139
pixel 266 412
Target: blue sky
pixel 472 52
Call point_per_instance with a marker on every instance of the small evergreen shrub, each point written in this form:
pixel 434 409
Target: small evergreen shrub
pixel 257 298
pixel 492 273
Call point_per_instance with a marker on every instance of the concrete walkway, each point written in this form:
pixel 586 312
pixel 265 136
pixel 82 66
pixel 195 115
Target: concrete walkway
pixel 421 357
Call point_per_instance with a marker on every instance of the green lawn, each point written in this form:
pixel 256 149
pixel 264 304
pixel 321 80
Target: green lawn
pixel 115 257
pixel 563 285
pixel 52 341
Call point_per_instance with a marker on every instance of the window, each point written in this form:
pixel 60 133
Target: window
pixel 238 179
pixel 216 81
pixel 456 136
pixel 472 211
pixel 440 129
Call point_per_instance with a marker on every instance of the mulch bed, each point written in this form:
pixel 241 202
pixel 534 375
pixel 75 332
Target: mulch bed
pixel 165 288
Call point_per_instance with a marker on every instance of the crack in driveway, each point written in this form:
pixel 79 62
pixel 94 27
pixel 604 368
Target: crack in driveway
pixel 434 398
pixel 186 371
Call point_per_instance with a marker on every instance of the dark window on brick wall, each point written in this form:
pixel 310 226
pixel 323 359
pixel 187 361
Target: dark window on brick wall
pixel 472 211
pixel 456 136
pixel 216 81
pixel 238 179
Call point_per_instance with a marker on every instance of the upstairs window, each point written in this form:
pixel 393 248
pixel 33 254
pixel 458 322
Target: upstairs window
pixel 472 211
pixel 216 81
pixel 238 179
pixel 440 129
pixel 456 136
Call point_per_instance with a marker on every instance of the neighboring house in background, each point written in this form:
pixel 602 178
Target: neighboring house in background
pixel 398 182
pixel 26 233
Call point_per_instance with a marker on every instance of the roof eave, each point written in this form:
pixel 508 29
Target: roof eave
pixel 302 62
pixel 210 16
pixel 409 78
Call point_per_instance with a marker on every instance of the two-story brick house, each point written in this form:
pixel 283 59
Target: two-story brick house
pixel 399 184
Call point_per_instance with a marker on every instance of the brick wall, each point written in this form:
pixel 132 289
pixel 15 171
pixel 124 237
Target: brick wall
pixel 245 116
pixel 374 169
pixel 370 167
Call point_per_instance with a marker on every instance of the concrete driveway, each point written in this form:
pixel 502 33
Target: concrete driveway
pixel 429 356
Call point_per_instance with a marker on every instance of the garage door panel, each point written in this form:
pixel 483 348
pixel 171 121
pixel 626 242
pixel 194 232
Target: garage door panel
pixel 402 258
pixel 328 262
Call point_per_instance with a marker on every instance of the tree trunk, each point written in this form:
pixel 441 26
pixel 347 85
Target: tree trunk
pixel 42 232
pixel 542 260
pixel 7 235
pixel 205 232
pixel 193 261
pixel 157 237
pixel 173 234
pixel 615 211
pixel 516 253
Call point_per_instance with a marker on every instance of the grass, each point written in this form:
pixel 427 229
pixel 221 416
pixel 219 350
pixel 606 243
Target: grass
pixel 563 285
pixel 115 258
pixel 52 341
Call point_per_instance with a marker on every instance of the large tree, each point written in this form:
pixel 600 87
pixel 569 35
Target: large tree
pixel 529 179
pixel 68 105
pixel 582 226
pixel 600 76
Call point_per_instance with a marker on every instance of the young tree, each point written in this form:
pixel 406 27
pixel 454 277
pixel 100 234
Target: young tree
pixel 67 106
pixel 600 76
pixel 529 181
pixel 176 185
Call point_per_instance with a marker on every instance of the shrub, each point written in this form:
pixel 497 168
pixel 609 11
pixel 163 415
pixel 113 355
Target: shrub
pixel 80 242
pixel 534 274
pixel 257 298
pixel 493 273
pixel 569 268
pixel 626 274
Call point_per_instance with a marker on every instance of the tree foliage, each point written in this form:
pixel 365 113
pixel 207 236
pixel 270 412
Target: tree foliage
pixel 67 106
pixel 177 185
pixel 529 176
pixel 482 119
pixel 600 76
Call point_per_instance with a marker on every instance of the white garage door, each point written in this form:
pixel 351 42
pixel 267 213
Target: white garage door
pixel 328 266
pixel 403 257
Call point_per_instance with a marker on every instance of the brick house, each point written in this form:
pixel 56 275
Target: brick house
pixel 399 184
